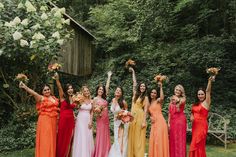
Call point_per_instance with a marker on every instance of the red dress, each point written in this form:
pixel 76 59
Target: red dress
pixel 178 127
pixel 199 131
pixel 66 127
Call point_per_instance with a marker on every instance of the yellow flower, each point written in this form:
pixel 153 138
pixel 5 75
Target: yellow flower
pixel 16 20
pixel 56 35
pixel 29 7
pixel 17 35
pixel 44 16
pixel 23 43
pixel 25 22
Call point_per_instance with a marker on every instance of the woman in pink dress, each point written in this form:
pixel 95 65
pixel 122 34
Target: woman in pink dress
pixel 83 145
pixel 177 123
pixel 103 143
pixel 66 121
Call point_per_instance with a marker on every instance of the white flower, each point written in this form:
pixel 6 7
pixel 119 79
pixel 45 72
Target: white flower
pixel 37 26
pixel 67 21
pixel 47 23
pixel 60 41
pixel 55 9
pixel 38 36
pixel 44 16
pixel 62 10
pixel 17 35
pixel 57 13
pixel 8 24
pixel 16 20
pixel 29 7
pixel 25 22
pixel 23 43
pixel 43 8
pixel 32 44
pixel 1 6
pixel 56 35
pixel 20 5
pixel 59 26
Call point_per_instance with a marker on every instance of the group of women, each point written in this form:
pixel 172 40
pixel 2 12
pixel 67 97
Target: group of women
pixel 72 136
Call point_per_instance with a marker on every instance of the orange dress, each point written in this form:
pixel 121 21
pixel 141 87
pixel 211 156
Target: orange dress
pixel 199 131
pixel 46 128
pixel 158 141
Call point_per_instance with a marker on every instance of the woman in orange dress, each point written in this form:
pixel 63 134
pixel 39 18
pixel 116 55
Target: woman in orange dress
pixel 158 141
pixel 199 122
pixel 47 107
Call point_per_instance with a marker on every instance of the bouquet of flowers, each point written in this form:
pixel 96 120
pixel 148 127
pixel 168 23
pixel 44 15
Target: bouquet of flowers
pixel 77 99
pixel 160 78
pixel 97 111
pixel 213 72
pixel 53 68
pixel 22 77
pixel 125 116
pixel 130 63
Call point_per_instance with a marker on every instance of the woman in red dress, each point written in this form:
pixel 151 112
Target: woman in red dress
pixel 177 123
pixel 66 121
pixel 199 122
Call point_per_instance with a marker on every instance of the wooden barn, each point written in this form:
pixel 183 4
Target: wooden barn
pixel 78 54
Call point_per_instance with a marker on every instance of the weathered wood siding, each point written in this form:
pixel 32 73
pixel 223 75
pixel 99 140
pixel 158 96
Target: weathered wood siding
pixel 77 55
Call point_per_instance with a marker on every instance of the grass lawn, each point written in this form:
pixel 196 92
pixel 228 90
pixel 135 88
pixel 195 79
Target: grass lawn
pixel 212 151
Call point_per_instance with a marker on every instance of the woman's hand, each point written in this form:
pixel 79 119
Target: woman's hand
pixel 90 125
pixel 56 76
pixel 191 118
pixel 144 125
pixel 109 73
pixel 22 85
pixel 131 69
pixel 152 120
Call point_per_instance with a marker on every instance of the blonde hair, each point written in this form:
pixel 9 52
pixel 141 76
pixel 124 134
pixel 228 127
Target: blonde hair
pixel 181 89
pixel 82 89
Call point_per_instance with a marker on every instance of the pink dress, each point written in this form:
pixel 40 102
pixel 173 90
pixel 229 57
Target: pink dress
pixel 103 143
pixel 178 127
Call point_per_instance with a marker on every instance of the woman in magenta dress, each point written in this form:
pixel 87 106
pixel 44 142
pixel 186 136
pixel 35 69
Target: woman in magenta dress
pixel 199 122
pixel 66 120
pixel 103 143
pixel 177 123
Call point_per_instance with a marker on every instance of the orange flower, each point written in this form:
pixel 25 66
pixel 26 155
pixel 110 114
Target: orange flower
pixel 213 71
pixel 98 111
pixel 160 78
pixel 54 67
pixel 78 98
pixel 125 116
pixel 22 77
pixel 129 63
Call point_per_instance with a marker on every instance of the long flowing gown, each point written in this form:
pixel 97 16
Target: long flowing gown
pixel 83 145
pixel 137 134
pixel 199 131
pixel 66 127
pixel 120 135
pixel 46 127
pixel 158 141
pixel 103 142
pixel 178 127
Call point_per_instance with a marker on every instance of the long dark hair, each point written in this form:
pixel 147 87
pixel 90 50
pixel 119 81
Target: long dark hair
pixel 139 94
pixel 197 102
pixel 66 95
pixel 45 85
pixel 121 99
pixel 149 94
pixel 104 95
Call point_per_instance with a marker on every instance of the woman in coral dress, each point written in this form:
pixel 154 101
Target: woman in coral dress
pixel 158 141
pixel 137 128
pixel 199 122
pixel 177 123
pixel 103 142
pixel 119 147
pixel 66 120
pixel 83 145
pixel 47 107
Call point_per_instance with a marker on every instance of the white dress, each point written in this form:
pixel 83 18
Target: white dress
pixel 115 150
pixel 83 145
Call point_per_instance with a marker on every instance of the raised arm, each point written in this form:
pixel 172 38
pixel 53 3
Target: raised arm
pixel 37 96
pixel 108 82
pixel 161 93
pixel 207 101
pixel 134 80
pixel 146 105
pixel 59 87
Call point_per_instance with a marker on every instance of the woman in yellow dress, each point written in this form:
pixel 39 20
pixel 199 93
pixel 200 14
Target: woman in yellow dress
pixel 137 128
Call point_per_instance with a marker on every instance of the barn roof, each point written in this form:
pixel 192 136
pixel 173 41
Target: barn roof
pixel 75 22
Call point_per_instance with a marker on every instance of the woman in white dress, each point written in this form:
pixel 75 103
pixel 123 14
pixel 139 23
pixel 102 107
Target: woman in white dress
pixel 83 145
pixel 119 147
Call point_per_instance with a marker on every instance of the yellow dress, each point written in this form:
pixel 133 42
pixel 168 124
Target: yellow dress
pixel 137 135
